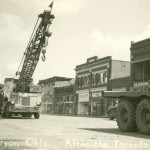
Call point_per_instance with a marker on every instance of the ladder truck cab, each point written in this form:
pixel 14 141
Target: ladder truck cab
pixel 20 96
pixel 133 110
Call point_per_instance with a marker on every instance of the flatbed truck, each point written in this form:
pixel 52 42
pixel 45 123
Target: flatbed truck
pixel 133 110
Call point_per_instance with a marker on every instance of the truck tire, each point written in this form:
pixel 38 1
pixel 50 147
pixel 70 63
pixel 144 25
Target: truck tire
pixel 37 115
pixel 143 116
pixel 111 115
pixel 126 116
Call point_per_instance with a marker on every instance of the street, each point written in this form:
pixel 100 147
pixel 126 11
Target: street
pixel 52 132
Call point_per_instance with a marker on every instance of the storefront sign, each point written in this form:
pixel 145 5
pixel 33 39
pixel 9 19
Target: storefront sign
pixel 84 97
pixel 136 84
pixel 97 94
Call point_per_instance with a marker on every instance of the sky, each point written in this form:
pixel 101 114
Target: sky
pixel 81 29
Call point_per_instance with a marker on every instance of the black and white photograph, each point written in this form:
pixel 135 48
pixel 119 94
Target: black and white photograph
pixel 74 75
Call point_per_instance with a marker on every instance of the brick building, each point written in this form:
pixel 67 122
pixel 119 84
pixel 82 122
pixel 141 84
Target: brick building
pixel 92 78
pixel 48 92
pixel 64 95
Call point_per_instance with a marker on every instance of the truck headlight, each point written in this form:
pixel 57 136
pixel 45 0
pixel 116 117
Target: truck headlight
pixel 38 104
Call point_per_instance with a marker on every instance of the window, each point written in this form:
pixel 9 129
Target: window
pixel 85 80
pixel 93 79
pixel 79 82
pixel 67 98
pixel 64 98
pixel 101 77
pixel 105 77
pixel 71 98
pixel 97 78
pixel 82 81
pixel 88 80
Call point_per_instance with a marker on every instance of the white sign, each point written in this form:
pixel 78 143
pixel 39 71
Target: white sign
pixel 140 84
pixel 84 97
pixel 97 94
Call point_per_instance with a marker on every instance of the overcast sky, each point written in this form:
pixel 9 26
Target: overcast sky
pixel 81 29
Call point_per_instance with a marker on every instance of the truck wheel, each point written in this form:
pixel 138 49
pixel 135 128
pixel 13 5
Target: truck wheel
pixel 126 116
pixel 143 116
pixel 37 115
pixel 111 115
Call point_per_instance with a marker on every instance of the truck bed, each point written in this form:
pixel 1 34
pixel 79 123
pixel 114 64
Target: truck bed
pixel 130 94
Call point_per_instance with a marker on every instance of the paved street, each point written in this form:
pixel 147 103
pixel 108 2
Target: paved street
pixel 68 133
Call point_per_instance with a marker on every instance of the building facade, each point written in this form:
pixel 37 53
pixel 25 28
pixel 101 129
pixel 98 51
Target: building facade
pixel 48 92
pixel 92 78
pixel 64 97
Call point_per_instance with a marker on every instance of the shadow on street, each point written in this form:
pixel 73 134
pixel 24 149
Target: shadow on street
pixel 116 131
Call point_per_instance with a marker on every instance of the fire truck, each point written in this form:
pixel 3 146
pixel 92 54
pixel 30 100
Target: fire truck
pixel 133 109
pixel 20 96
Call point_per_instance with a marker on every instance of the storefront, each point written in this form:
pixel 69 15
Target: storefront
pixel 46 104
pixel 93 77
pixel 83 104
pixel 67 107
pixel 59 108
pixel 49 107
pixel 98 103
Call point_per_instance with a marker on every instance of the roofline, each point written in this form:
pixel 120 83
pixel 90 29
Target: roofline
pixel 121 60
pixel 59 77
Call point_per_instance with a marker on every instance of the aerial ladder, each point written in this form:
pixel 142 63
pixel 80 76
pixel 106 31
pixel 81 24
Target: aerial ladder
pixel 21 97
